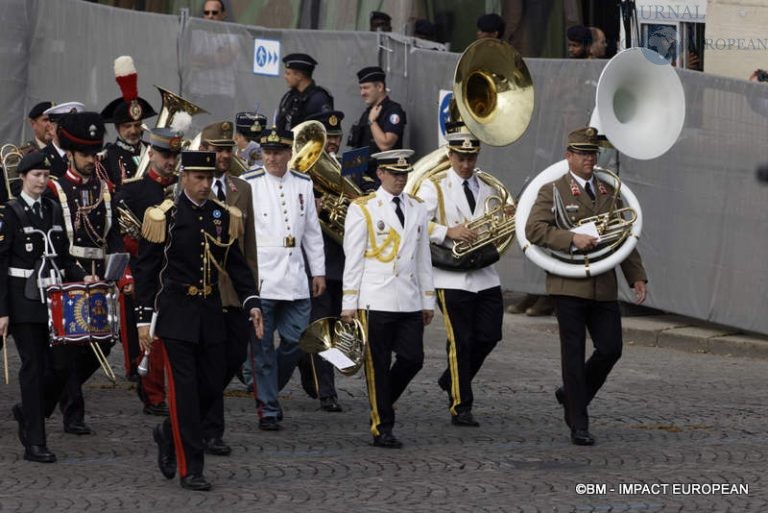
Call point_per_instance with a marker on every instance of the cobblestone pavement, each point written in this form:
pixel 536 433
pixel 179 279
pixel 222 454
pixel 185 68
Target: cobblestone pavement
pixel 664 418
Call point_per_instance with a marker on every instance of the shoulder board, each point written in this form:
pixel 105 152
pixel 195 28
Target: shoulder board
pixel 416 198
pixel 153 227
pixel 255 173
pixel 362 200
pixel 298 174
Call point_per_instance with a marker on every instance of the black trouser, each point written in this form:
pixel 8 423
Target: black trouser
pixel 473 322
pixel 320 376
pixel 83 365
pixel 581 380
pixel 195 374
pixel 42 376
pixel 388 332
pixel 236 348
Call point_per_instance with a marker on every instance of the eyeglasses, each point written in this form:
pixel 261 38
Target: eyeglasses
pixel 211 13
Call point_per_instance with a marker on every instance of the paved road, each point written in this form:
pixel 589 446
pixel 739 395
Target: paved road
pixel 664 418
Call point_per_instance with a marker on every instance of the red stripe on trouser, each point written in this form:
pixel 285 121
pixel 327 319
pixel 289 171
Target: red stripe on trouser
pixel 153 384
pixel 124 339
pixel 181 458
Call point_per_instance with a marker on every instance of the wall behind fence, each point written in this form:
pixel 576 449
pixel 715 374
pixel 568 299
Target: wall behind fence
pixel 704 235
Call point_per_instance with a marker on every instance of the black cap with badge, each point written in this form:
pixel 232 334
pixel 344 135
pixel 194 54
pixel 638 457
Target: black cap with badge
pixel 34 160
pixel 81 131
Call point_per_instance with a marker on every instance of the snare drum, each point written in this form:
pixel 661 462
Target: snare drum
pixel 80 313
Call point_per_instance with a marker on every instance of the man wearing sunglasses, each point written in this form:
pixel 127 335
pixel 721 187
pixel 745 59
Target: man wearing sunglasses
pixel 214 10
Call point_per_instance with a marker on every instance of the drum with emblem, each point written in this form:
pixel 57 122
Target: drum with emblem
pixel 82 313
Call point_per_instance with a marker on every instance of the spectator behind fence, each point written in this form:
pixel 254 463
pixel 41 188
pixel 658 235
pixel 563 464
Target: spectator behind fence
pixel 490 25
pixel 214 10
pixel 579 41
pixel 599 46
pixel 380 22
pixel 424 29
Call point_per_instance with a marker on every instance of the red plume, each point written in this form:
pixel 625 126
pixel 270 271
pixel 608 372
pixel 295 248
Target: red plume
pixel 126 77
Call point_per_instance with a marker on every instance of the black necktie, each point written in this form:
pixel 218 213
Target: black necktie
pixel 220 191
pixel 36 209
pixel 588 188
pixel 399 211
pixel 469 195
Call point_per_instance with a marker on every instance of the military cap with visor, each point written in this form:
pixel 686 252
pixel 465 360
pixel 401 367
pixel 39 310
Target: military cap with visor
pixel 198 161
pixel 274 138
pixel 394 161
pixel 219 134
pixel 301 62
pixel 166 140
pixel 584 139
pixel 331 120
pixel 250 124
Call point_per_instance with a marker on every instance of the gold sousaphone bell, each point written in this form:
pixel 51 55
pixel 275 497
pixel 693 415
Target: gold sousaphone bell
pixel 333 333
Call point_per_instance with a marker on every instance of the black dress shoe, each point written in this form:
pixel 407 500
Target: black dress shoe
pixel 39 454
pixel 269 424
pixel 160 409
pixel 582 437
pixel 464 419
pixel 560 396
pixel 387 440
pixel 166 458
pixel 18 414
pixel 330 404
pixel 195 482
pixel 77 428
pixel 217 447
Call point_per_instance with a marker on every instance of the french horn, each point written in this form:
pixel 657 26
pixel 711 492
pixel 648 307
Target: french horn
pixel 640 108
pixel 333 333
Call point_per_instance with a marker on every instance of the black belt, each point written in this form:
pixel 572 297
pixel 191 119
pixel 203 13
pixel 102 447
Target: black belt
pixel 190 289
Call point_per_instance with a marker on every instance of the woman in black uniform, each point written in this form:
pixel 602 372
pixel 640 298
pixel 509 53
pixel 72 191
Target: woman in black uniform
pixel 23 314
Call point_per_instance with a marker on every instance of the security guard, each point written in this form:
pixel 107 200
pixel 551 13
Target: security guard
pixel 93 232
pixel 582 303
pixel 132 200
pixel 43 369
pixel 388 277
pixel 317 375
pixel 186 245
pixel 471 301
pixel 127 113
pixel 381 125
pixel 304 97
pixel 56 155
pixel 248 128
pixel 234 192
pixel 286 223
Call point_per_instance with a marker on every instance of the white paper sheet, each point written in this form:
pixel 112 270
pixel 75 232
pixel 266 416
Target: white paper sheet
pixel 336 358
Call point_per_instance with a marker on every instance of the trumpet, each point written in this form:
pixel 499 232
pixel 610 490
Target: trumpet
pixel 496 226
pixel 10 156
pixel 128 222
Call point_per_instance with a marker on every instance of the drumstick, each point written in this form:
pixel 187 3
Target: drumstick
pixel 5 359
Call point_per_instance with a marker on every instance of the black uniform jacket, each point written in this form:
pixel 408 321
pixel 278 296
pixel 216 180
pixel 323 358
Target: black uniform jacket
pixel 22 251
pixel 167 274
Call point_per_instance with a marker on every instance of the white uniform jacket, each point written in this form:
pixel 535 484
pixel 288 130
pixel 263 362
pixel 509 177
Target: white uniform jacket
pixel 286 221
pixel 388 267
pixel 447 206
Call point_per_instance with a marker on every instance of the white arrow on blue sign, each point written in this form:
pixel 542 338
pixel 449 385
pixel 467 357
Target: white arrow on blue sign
pixel 266 57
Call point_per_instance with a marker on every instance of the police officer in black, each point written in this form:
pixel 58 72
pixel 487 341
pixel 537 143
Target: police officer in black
pixel 93 232
pixel 133 199
pixel 22 312
pixel 304 97
pixel 381 125
pixel 185 245
pixel 126 112
pixel 317 375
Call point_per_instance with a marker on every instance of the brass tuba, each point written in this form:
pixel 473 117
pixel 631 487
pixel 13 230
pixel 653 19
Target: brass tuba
pixel 333 333
pixel 494 99
pixel 10 156
pixel 172 103
pixel 336 191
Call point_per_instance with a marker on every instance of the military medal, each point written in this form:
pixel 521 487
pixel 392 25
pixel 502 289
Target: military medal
pixel 380 225
pixel 216 214
pixel 28 246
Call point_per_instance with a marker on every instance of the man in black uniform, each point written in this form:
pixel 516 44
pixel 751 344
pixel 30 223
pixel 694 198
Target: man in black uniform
pixel 317 375
pixel 127 112
pixel 56 155
pixel 248 128
pixel 93 232
pixel 304 97
pixel 38 122
pixel 135 197
pixel 381 125
pixel 22 313
pixel 185 244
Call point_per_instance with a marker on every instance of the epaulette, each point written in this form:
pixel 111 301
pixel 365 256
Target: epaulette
pixel 416 198
pixel 362 200
pixel 298 174
pixel 236 225
pixel 153 227
pixel 254 173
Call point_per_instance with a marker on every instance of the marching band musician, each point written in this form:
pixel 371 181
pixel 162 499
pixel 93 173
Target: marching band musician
pixel 317 375
pixel 93 232
pixel 127 113
pixel 234 192
pixel 582 303
pixel 43 369
pixel 186 245
pixel 471 301
pixel 388 270
pixel 248 128
pixel 137 197
pixel 56 155
pixel 286 222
